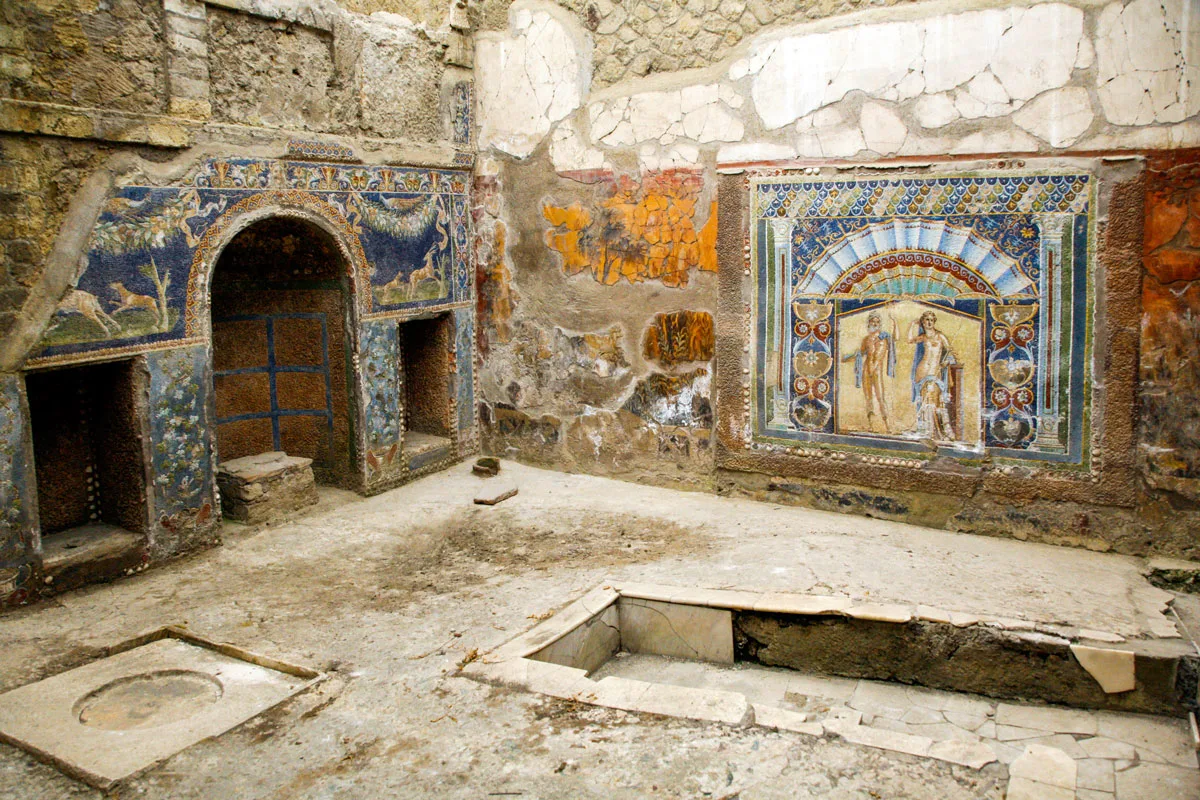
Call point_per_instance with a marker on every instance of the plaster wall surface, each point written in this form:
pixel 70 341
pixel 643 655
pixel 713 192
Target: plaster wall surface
pixel 589 181
pixel 137 139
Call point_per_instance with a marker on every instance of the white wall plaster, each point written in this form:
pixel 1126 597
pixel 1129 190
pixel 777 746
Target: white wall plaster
pixel 883 131
pixel 935 110
pixel 754 151
pixel 1026 50
pixel 1000 80
pixel 1147 56
pixel 530 78
pixel 570 152
pixel 1059 117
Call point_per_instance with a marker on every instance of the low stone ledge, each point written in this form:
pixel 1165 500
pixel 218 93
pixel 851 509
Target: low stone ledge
pixel 266 486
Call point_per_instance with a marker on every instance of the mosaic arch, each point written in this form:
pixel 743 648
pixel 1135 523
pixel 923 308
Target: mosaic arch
pixel 945 314
pixel 404 232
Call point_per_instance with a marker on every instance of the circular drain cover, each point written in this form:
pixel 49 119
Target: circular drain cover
pixel 148 700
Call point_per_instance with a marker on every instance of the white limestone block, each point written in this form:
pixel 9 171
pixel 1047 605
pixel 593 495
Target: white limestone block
pixel 651 114
pixel 804 73
pixel 755 151
pixel 883 131
pixel 529 78
pixel 1045 765
pixel 1112 669
pixel 1039 51
pixel 713 123
pixel 960 46
pixel 1059 117
pixel 935 110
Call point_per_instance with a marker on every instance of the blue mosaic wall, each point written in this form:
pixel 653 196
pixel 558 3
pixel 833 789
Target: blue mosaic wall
pixel 379 361
pixel 180 447
pixel 899 314
pixel 407 228
pixel 16 478
pixel 464 322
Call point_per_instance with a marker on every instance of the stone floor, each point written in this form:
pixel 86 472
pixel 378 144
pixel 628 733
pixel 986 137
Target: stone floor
pixel 390 594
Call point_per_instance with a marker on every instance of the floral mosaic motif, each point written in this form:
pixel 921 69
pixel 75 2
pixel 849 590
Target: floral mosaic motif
pixel 379 357
pixel 640 231
pixel 332 151
pixel 181 460
pixel 407 230
pixel 464 319
pixel 462 98
pixel 967 332
pixel 679 337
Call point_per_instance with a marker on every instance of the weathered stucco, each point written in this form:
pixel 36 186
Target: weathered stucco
pixel 970 88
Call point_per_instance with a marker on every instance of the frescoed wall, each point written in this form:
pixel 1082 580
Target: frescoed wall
pixel 145 281
pixel 924 315
pixel 145 293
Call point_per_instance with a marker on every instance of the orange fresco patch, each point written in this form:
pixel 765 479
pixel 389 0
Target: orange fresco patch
pixel 643 232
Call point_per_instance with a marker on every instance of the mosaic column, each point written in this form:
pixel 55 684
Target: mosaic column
pixel 777 381
pixel 1049 333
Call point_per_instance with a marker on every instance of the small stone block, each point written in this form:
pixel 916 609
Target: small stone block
pixel 708 705
pixel 887 740
pixel 1025 789
pixel 1113 669
pixel 781 719
pixel 1046 765
pixel 491 495
pixel 975 755
pixel 262 487
pixel 881 612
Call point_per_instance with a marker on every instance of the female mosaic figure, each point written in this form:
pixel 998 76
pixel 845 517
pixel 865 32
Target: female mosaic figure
pixel 930 371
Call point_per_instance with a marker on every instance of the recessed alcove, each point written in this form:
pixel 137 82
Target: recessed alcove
pixel 279 347
pixel 425 348
pixel 89 458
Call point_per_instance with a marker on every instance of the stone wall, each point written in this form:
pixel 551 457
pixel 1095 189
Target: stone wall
pixel 138 137
pixel 600 213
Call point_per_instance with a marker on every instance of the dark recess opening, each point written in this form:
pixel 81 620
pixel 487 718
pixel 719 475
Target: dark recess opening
pixel 425 362
pixel 279 347
pixel 88 447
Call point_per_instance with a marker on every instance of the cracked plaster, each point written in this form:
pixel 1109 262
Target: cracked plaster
pixel 529 79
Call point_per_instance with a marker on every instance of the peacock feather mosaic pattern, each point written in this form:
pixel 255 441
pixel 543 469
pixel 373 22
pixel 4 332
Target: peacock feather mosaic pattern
pixel 143 287
pixel 924 315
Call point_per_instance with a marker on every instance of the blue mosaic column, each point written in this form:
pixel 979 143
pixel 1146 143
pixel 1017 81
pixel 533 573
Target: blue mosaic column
pixel 464 356
pixel 181 452
pixel 379 376
pixel 18 516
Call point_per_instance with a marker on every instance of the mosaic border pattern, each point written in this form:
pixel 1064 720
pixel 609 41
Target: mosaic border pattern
pixel 1010 252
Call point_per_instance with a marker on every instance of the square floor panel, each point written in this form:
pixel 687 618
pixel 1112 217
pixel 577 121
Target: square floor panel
pixel 117 716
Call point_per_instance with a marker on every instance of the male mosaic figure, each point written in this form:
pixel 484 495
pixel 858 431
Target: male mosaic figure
pixel 930 391
pixel 875 356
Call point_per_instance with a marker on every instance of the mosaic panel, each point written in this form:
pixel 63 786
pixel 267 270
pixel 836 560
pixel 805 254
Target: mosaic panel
pixel 141 288
pixel 181 458
pixel 462 100
pixel 379 359
pixel 924 314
